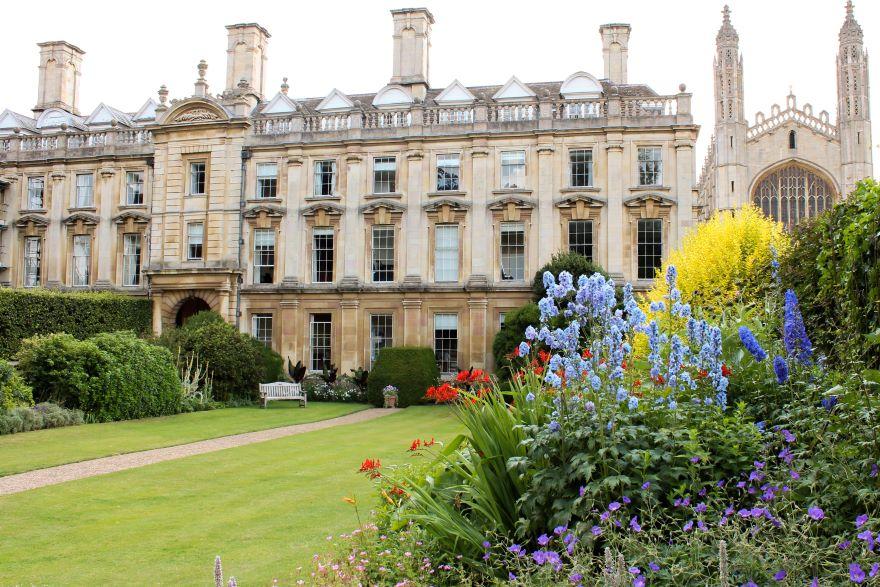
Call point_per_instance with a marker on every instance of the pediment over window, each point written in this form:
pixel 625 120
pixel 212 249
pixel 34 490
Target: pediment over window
pixel 195 110
pixel 437 205
pixel 392 207
pixel 572 200
pixel 455 93
pixel 105 115
pixel 322 207
pixel 135 216
pixel 514 90
pixel 506 201
pixel 280 104
pixel 84 217
pixel 580 85
pixel 267 209
pixel 393 95
pixel 335 100
pixel 640 200
pixel 35 219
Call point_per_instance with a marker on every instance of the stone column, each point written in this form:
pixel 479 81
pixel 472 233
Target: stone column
pixel 105 229
pixel 478 342
pixel 157 313
pixel 291 225
pixel 547 243
pixel 412 317
pixel 415 231
pixel 351 351
pixel 55 192
pixel 289 344
pixel 614 229
pixel 480 229
pixel 353 245
pixel 684 176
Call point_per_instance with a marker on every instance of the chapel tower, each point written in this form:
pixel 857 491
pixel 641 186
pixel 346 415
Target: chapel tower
pixel 853 113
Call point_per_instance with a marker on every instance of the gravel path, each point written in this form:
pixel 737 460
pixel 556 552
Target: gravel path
pixel 52 475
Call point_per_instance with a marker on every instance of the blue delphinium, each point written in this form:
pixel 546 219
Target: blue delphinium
pixel 794 333
pixel 751 343
pixel 780 367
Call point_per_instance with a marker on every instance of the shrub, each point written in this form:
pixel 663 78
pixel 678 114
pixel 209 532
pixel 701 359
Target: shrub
pixel 14 392
pixel 38 417
pixel 25 313
pixel 344 389
pixel 574 263
pixel 724 260
pixel 412 370
pixel 511 334
pixel 237 361
pixel 111 376
pixel 834 267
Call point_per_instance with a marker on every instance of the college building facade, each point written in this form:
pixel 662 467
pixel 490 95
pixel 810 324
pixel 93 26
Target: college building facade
pixel 331 227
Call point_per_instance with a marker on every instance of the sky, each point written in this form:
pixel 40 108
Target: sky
pixel 347 44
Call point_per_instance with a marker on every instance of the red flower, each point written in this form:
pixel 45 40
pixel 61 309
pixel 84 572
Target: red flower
pixel 428 442
pixel 415 445
pixel 725 370
pixel 543 355
pixel 371 466
pixel 637 383
pixel 659 380
pixel 587 354
pixel 442 394
pixel 702 374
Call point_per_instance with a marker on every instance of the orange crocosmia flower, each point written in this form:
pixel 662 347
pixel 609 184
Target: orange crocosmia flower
pixel 462 376
pixel 659 380
pixel 428 442
pixel 702 374
pixel 543 355
pixel 371 466
pixel 587 354
pixel 539 370
pixel 623 364
pixel 637 383
pixel 725 370
pixel 415 445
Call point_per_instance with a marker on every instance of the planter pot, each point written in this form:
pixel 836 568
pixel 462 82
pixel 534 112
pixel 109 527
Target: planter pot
pixel 391 402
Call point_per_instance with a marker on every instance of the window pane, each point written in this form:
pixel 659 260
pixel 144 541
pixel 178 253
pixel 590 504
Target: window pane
pixel 383 253
pixel 131 260
pixel 134 188
pixel 197 178
pixel 580 237
pixel 35 193
pixel 320 327
pixel 381 333
pixel 84 190
pixel 384 175
pixel 325 178
pixel 82 245
pixel 32 256
pixel 264 255
pixel 446 252
pixel 322 255
pixel 513 249
pixel 195 237
pixel 267 180
pixel 446 342
pixel 513 169
pixel 581 168
pixel 261 328
pixel 650 247
pixel 448 168
pixel 650 166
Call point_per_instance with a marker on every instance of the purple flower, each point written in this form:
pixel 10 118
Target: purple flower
pixel 634 524
pixel 789 437
pixel 868 537
pixel 814 582
pixel 558 530
pixel 750 584
pixel 700 507
pixel 695 460
pixel 626 500
pixel 639 581
pixel 751 343
pixel 875 568
pixel 794 333
pixel 517 550
pixel 605 515
pixel 759 464
pixel 861 520
pixel 487 544
pixel 794 474
pixel 596 530
pixel 540 557
pixel 575 578
pixel 511 576
pixel 688 526
pixel 614 506
pixel 543 540
pixel 653 566
pixel 844 545
pixel 646 485
pixel 829 402
pixel 582 491
pixel 816 513
pixel 856 574
pixel 780 575
pixel 780 367
pixel 874 469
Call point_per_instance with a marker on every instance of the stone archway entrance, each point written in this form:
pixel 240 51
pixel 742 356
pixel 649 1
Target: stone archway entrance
pixel 189 308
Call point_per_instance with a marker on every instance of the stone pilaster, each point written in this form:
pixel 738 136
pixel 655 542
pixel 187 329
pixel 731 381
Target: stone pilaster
pixel 477 339
pixel 480 257
pixel 614 229
pixel 291 224
pixel 412 322
pixel 352 351
pixel 415 230
pixel 55 201
pixel 684 172
pixel 106 205
pixel 547 243
pixel 353 246
pixel 290 321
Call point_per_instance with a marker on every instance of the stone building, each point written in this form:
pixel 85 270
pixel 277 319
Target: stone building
pixel 331 227
pixel 792 164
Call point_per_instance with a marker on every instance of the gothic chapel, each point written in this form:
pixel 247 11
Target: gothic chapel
pixel 791 163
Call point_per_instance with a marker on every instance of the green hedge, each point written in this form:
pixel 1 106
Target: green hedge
pixel 412 370
pixel 511 334
pixel 111 376
pixel 14 392
pixel 25 313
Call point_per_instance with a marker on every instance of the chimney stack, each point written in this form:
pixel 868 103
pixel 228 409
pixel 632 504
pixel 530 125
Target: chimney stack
pixel 60 64
pixel 246 57
pixel 412 47
pixel 615 41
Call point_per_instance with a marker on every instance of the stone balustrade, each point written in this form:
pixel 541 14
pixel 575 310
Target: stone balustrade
pixel 71 144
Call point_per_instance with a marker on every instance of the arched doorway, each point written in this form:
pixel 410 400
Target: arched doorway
pixel 793 192
pixel 189 308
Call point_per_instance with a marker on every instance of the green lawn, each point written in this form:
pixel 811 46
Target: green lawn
pixel 265 508
pixel 46 448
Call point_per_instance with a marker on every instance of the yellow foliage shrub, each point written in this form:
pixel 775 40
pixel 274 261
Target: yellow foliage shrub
pixel 724 260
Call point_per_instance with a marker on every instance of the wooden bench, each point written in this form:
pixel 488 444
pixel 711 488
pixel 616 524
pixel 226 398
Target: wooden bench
pixel 282 390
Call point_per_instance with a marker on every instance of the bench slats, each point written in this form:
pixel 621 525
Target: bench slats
pixel 281 390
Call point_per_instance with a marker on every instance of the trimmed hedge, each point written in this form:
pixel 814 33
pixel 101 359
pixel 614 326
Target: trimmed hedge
pixel 412 370
pixel 28 312
pixel 511 334
pixel 111 376
pixel 574 263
